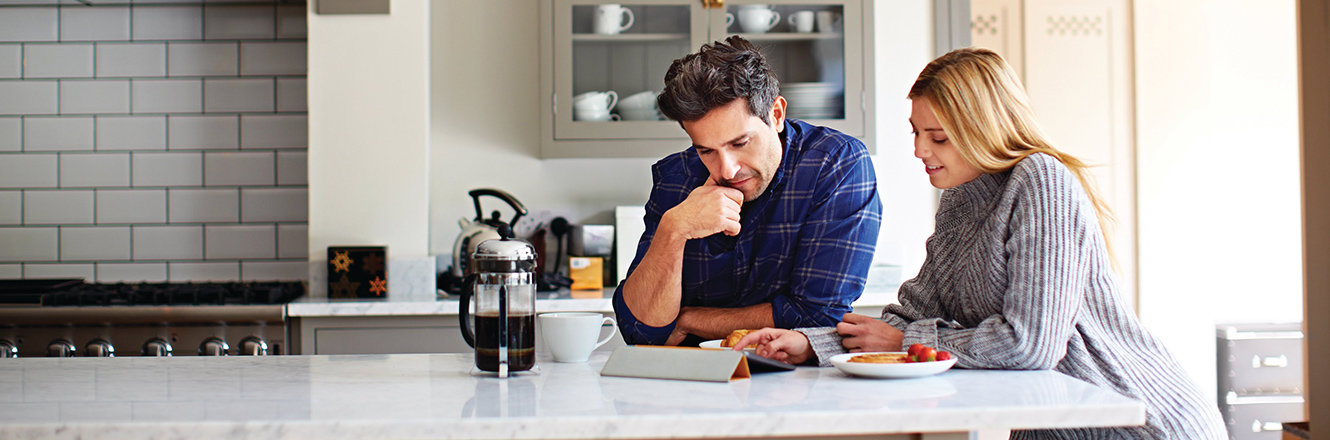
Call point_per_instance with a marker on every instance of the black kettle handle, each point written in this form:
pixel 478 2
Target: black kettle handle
pixel 463 311
pixel 501 195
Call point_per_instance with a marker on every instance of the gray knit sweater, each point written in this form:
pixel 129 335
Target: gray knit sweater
pixel 1018 278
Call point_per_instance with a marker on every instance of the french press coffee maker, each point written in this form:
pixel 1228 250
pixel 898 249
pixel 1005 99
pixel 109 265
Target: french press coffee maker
pixel 502 282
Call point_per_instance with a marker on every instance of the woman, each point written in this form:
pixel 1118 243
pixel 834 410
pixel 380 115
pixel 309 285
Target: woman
pixel 1018 274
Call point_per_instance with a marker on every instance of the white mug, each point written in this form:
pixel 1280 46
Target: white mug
pixel 801 21
pixel 826 21
pixel 758 20
pixel 609 19
pixel 572 336
pixel 596 100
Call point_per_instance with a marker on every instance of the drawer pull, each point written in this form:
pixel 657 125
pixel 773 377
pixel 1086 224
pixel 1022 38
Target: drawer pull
pixel 1257 426
pixel 1273 361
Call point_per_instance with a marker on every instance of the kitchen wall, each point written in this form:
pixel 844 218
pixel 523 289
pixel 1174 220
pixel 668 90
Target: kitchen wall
pixel 153 142
pixel 485 128
pixel 1217 171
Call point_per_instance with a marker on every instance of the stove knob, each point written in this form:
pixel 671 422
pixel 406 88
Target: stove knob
pixel 100 348
pixel 8 349
pixel 213 346
pixel 252 346
pixel 60 348
pixel 156 347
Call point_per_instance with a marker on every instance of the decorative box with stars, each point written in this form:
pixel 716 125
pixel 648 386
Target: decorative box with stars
pixel 357 272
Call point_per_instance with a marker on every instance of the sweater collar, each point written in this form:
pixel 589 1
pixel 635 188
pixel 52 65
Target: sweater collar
pixel 982 189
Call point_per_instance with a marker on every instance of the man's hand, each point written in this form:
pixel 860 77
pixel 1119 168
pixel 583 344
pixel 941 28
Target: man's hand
pixel 676 337
pixel 862 333
pixel 709 209
pixel 783 345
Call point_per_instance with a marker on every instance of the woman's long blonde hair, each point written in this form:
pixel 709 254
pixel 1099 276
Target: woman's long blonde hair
pixel 986 113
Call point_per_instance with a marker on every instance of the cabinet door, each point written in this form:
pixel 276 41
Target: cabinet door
pixel 610 62
pixel 816 52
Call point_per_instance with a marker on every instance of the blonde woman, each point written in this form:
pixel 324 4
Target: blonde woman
pixel 1018 274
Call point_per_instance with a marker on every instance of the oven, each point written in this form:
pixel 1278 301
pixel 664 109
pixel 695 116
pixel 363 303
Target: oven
pixel 66 318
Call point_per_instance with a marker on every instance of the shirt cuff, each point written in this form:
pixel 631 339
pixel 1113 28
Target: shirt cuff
pixel 634 332
pixel 825 343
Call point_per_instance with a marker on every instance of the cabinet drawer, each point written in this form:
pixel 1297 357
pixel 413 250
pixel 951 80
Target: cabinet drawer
pixel 1264 358
pixel 1260 418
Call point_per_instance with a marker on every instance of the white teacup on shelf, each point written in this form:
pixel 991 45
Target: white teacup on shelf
pixel 826 21
pixel 639 100
pixel 610 19
pixel 758 20
pixel 801 21
pixel 596 100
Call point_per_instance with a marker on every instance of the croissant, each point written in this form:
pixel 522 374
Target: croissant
pixel 734 338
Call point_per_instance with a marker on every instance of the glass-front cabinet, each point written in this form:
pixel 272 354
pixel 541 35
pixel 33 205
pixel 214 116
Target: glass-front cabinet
pixel 603 64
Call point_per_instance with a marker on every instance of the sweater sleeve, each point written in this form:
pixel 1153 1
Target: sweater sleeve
pixel 1052 233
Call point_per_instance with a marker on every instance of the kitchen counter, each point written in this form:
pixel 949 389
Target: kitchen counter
pixel 423 396
pixel 560 301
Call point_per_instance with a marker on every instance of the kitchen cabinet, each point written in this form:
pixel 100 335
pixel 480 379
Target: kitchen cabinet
pixel 826 72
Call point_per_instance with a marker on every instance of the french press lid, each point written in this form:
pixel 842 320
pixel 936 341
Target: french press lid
pixel 506 254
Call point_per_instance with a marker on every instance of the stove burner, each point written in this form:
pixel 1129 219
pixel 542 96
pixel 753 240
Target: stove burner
pixel 165 294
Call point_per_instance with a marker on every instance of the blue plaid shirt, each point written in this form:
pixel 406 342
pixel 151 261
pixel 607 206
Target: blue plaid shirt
pixel 805 245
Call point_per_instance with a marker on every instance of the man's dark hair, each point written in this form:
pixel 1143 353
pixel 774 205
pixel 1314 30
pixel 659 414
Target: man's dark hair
pixel 716 75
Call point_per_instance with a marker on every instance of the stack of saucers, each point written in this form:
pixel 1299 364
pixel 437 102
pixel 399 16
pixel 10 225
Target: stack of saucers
pixel 813 100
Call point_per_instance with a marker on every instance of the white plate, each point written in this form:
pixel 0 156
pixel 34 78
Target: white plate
pixel 890 371
pixel 715 344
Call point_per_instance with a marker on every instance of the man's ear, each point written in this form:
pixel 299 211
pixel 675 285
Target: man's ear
pixel 778 113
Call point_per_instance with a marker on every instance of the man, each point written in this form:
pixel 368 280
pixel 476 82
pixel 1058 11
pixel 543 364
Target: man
pixel 763 222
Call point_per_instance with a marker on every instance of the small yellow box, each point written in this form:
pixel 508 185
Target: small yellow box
pixel 586 272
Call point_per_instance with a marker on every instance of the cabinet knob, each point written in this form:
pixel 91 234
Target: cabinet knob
pixel 100 348
pixel 213 346
pixel 157 347
pixel 60 348
pixel 8 349
pixel 252 346
pixel 1272 361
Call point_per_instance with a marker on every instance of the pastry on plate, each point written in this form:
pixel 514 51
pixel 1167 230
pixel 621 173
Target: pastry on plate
pixel 881 358
pixel 734 338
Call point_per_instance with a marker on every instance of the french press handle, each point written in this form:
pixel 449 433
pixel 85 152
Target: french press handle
pixel 464 310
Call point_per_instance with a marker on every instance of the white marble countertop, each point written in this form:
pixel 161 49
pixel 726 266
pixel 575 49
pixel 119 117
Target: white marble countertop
pixel 425 396
pixel 546 302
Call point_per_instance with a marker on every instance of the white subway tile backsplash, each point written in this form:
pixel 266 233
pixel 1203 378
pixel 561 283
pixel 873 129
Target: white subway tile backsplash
pixel 167 96
pixel 245 241
pixel 94 170
pixel 204 205
pixel 274 270
pixel 131 272
pixel 11 61
pixel 13 271
pixel 131 132
pixel 87 97
pixel 58 134
pixel 292 168
pixel 204 132
pixel 274 205
pixel 168 169
pixel 131 59
pixel 94 243
pixel 11 133
pixel 29 97
pixel 291 95
pixel 274 131
pixel 239 169
pixel 44 207
pixel 29 170
pixel 272 58
pixel 57 60
pixel 11 207
pixel 87 271
pixel 292 241
pixel 202 59
pixel 30 244
pixel 168 242
pixel 102 23
pixel 238 95
pixel 201 272
pixel 168 22
pixel 228 22
pixel 30 24
pixel 131 206
pixel 291 21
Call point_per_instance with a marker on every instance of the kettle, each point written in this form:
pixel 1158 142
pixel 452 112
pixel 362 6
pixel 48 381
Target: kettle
pixel 476 231
pixel 503 287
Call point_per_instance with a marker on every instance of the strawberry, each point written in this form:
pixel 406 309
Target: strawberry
pixel 927 354
pixel 942 355
pixel 914 349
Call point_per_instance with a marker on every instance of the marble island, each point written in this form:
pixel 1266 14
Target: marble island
pixel 439 396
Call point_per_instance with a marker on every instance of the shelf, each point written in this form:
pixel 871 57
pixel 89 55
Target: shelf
pixel 791 36
pixel 628 38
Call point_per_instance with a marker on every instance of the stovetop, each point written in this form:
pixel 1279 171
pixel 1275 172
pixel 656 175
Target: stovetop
pixel 72 292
